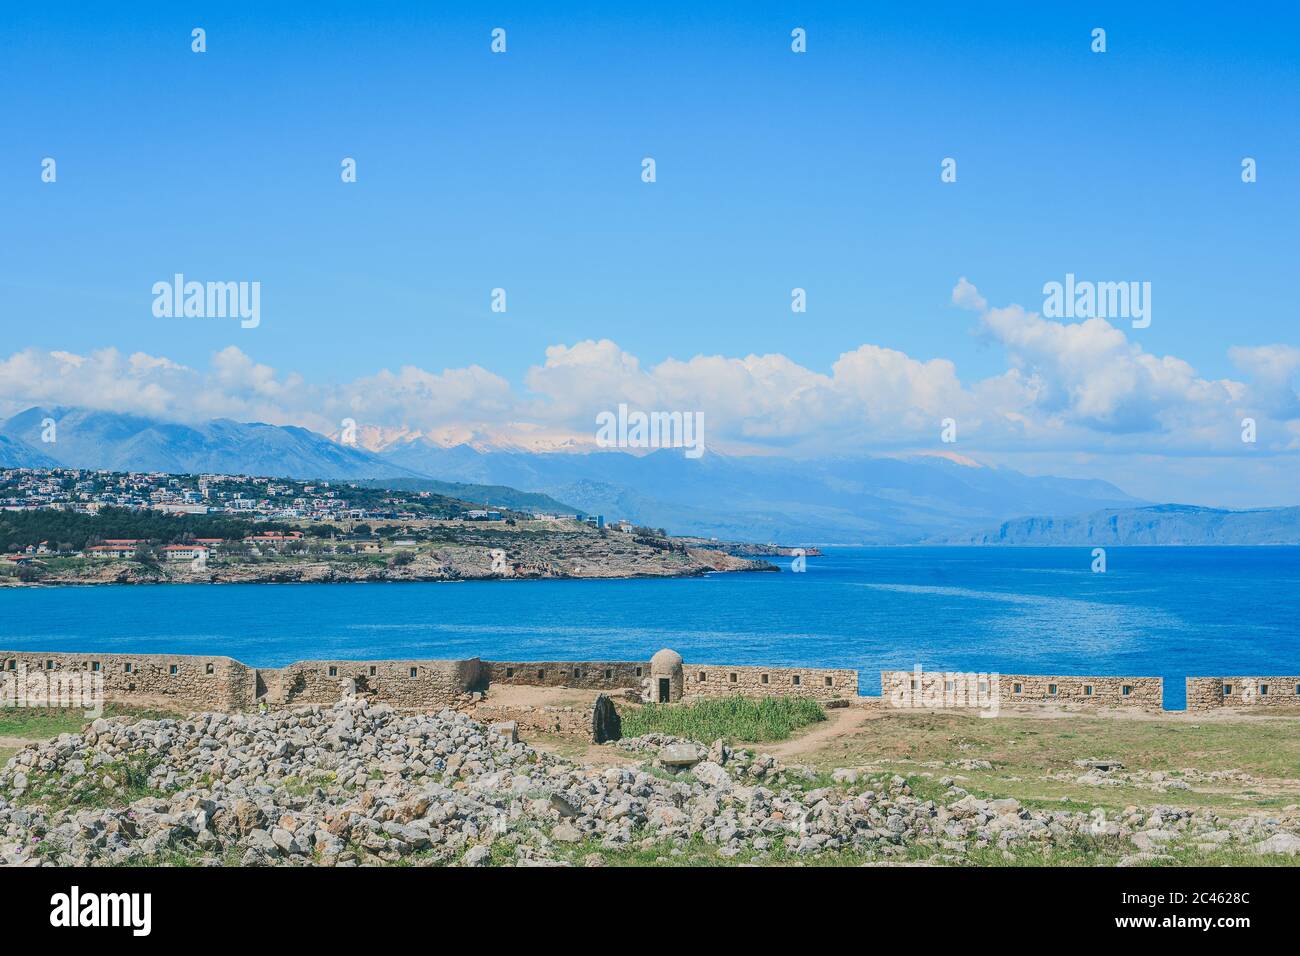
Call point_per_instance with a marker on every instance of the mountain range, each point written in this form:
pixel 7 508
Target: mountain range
pixel 1154 525
pixel 850 500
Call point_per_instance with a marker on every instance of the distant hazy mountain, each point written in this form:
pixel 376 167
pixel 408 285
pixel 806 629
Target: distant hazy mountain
pixel 92 439
pixel 20 454
pixel 846 501
pixel 1155 525
pixel 842 501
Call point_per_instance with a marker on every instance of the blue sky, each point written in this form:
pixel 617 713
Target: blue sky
pixel 522 171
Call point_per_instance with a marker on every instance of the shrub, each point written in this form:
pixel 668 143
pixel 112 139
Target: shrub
pixel 733 718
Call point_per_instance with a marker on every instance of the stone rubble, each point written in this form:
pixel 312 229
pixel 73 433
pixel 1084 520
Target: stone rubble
pixel 359 783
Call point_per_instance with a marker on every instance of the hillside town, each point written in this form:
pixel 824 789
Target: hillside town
pixel 86 491
pixel 251 498
pixel 60 526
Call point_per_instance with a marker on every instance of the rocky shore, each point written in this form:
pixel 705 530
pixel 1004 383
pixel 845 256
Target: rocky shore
pixel 360 784
pixel 576 556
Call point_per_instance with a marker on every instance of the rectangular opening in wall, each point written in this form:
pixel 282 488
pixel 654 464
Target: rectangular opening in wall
pixel 94 666
pixel 1227 690
pixel 415 672
pixel 733 678
pixel 830 682
pixel 1087 690
pixel 49 665
pixel 13 664
pixel 334 672
pixel 949 686
pixel 1051 690
pixel 173 670
pixel 638 672
pixel 541 674
pixel 577 674
pixel 983 687
pixel 763 679
pixel 510 672
pixel 915 684
pixel 210 669
pixel 1017 688
pixel 609 673
pixel 1126 690
pixel 1263 689
pixel 795 680
pixel 373 670
pixel 703 677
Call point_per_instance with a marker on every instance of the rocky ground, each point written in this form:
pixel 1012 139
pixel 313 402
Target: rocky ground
pixel 354 784
pixel 614 555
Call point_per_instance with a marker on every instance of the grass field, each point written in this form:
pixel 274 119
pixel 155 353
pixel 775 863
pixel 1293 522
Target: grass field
pixel 1032 759
pixel 697 852
pixel 42 723
pixel 731 718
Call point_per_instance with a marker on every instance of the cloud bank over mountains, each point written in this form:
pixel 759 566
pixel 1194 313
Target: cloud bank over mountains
pixel 1069 387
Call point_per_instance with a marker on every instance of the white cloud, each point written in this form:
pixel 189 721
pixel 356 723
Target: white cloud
pixel 1067 387
pixel 966 296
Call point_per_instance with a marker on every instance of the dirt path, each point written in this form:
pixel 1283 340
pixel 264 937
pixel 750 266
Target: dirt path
pixel 841 723
pixel 18 743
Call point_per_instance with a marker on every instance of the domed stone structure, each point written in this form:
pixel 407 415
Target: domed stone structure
pixel 666 677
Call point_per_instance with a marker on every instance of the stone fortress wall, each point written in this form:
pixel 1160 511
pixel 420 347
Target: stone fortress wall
pixel 591 675
pixel 221 683
pixel 413 684
pixel 708 680
pixel 1024 692
pixel 1212 693
pixel 211 683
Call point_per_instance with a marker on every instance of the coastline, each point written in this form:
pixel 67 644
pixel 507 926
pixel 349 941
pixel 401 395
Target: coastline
pixel 694 563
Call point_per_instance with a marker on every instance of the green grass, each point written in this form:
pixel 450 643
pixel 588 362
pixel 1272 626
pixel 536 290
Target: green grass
pixel 1082 851
pixel 731 718
pixel 44 723
pixel 1033 758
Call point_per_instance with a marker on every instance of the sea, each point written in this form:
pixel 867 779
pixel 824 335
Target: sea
pixel 1161 612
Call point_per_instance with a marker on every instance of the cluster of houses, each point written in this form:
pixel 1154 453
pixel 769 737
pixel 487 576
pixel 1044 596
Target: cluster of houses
pixel 127 548
pixel 594 521
pixel 86 491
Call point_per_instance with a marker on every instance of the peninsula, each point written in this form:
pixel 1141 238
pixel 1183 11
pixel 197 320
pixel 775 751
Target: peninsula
pixel 69 526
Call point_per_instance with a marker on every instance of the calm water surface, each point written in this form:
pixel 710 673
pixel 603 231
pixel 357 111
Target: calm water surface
pixel 1165 612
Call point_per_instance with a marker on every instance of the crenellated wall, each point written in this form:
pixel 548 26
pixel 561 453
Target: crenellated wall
pixel 699 680
pixel 1213 693
pixel 220 683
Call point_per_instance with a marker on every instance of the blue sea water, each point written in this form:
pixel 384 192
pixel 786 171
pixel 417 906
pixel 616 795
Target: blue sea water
pixel 1166 612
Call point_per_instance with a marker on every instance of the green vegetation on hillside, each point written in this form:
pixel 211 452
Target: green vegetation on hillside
pixel 495 496
pixel 67 528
